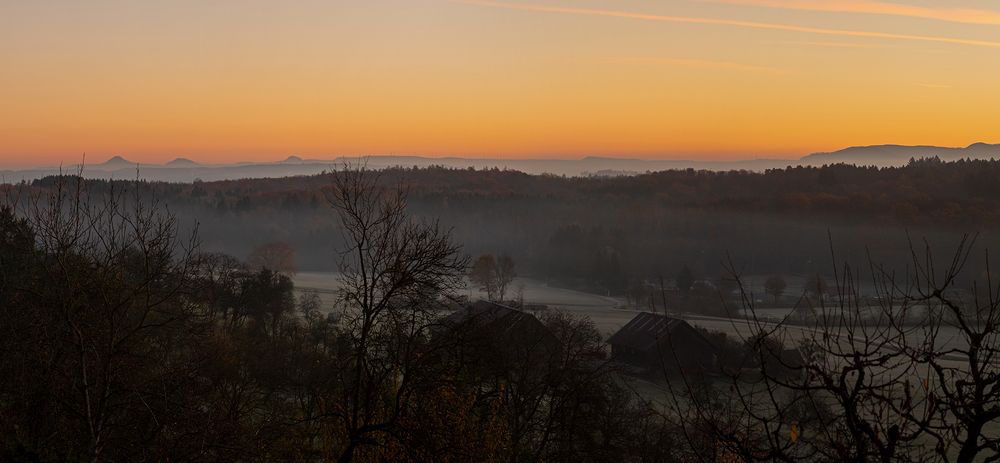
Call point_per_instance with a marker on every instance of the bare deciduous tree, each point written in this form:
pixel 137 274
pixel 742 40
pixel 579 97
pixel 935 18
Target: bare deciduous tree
pixel 907 372
pixel 504 275
pixel 493 275
pixel 393 273
pixel 775 286
pixel 98 318
pixel 483 274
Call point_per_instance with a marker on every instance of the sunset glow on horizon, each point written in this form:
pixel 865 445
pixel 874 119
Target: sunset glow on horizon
pixel 685 79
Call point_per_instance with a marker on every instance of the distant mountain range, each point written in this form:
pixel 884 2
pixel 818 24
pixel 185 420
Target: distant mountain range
pixel 187 170
pixel 892 155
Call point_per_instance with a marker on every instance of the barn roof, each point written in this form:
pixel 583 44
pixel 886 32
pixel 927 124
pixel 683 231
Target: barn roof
pixel 643 331
pixel 482 314
pixel 504 331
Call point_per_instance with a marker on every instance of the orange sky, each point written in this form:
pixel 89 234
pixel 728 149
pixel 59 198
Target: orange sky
pixel 711 79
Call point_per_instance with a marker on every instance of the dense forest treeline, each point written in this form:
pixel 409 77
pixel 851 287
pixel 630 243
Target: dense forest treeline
pixel 124 341
pixel 607 234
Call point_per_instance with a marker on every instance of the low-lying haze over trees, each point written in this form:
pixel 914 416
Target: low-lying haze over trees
pixel 128 335
pixel 606 234
pixel 188 170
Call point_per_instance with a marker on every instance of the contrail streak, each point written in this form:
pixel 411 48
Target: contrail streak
pixel 726 22
pixel 956 15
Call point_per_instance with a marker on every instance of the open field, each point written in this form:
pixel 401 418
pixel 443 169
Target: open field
pixel 608 313
pixel 603 310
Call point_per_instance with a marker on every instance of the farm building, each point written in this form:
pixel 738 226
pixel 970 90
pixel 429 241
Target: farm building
pixel 660 343
pixel 496 318
pixel 499 335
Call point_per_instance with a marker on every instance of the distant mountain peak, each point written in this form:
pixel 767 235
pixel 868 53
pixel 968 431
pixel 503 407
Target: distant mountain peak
pixel 118 161
pixel 981 145
pixel 292 158
pixel 900 154
pixel 182 162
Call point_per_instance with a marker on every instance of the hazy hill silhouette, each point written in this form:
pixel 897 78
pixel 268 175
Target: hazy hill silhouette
pixel 118 162
pixel 894 155
pixel 187 170
pixel 182 162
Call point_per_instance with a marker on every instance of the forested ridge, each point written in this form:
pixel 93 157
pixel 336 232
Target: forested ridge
pixel 927 191
pixel 606 233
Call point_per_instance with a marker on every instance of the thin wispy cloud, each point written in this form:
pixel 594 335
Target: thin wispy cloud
pixel 956 15
pixel 726 22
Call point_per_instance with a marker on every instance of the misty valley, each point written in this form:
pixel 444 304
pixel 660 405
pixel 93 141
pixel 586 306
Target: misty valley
pixel 834 313
pixel 507 231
